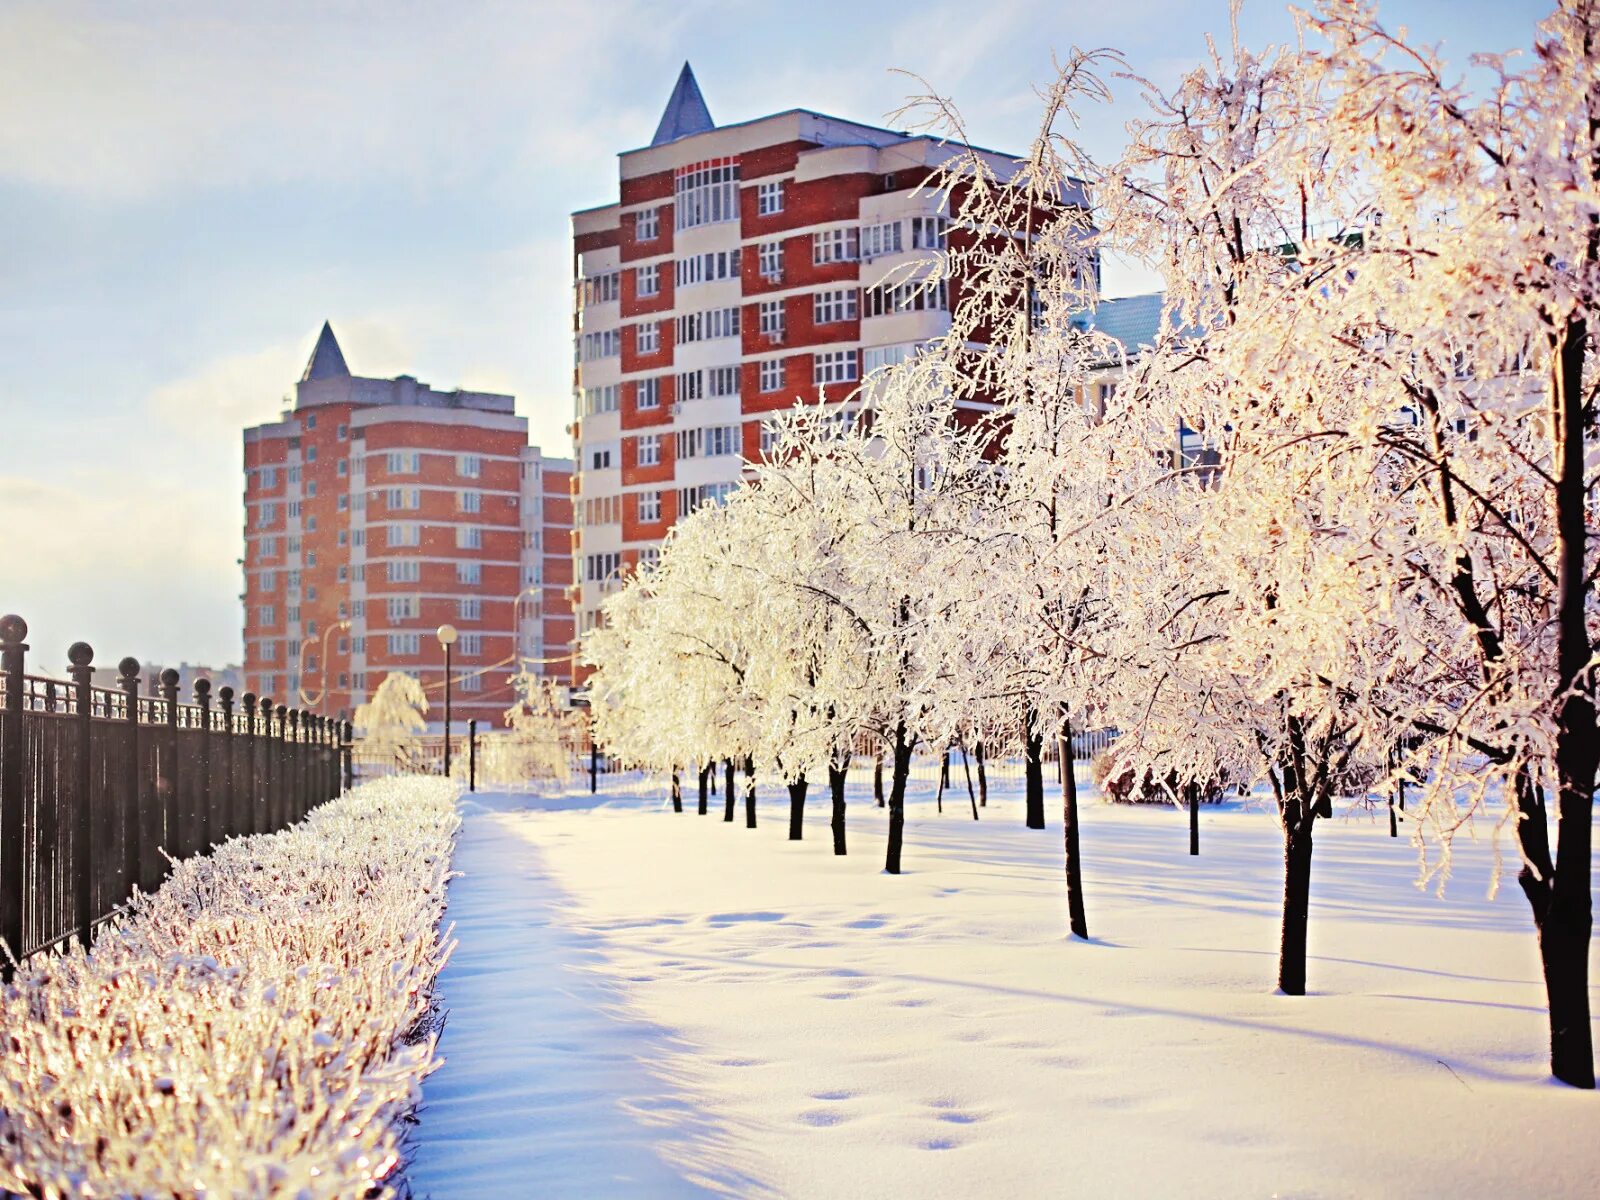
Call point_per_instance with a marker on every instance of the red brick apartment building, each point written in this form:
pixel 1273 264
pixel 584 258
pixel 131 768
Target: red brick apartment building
pixel 744 267
pixel 377 510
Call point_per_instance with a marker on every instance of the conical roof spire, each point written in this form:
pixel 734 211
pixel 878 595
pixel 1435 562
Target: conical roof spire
pixel 686 111
pixel 327 360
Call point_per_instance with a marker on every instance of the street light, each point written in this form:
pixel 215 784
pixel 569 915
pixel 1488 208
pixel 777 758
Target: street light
pixel 447 638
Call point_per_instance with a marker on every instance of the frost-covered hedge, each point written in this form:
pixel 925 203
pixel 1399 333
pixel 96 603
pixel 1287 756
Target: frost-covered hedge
pixel 258 1027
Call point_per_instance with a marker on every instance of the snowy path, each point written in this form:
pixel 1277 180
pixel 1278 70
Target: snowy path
pixel 541 1093
pixel 799 1025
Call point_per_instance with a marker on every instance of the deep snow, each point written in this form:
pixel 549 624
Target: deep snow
pixel 645 1003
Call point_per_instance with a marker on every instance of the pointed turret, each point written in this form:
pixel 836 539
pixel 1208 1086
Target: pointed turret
pixel 686 111
pixel 327 360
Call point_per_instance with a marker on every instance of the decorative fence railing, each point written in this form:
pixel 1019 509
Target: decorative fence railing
pixel 100 788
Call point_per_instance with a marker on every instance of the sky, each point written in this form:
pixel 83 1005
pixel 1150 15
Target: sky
pixel 188 189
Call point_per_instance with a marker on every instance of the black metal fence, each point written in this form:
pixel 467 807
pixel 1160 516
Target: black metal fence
pixel 100 788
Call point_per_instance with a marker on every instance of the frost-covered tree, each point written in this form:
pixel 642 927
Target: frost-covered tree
pixel 392 722
pixel 1394 280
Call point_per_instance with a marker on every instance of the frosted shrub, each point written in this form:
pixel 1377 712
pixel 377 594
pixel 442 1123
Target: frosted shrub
pixel 258 1027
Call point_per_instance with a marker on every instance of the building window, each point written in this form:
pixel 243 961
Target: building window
pixel 311 421
pixel 409 534
pixel 405 571
pixel 269 581
pixel 311 488
pixel 343 505
pixel 769 260
pixel 771 316
pixel 647 337
pixel 771 374
pixel 833 245
pixel 469 537
pixel 704 326
pixel 469 466
pixel 705 193
pixel 881 239
pixel 605 343
pixel 404 462
pixel 905 296
pixel 402 608
pixel 647 280
pixel 834 366
pixel 827 307
pixel 769 198
pixel 469 501
pixel 720 440
pixel 771 434
pixel 691 498
pixel 292 614
pixel 706 268
pixel 269 477
pixel 343 468
pixel 269 546
pixel 601 510
pixel 649 507
pixel 649 447
pixel 647 393
pixel 723 381
pixel 602 289
pixel 344 574
pixel 311 454
pixel 928 233
pixel 647 224
pixel 269 614
pixel 294 474
pixel 600 399
pixel 472 646
pixel 689 443
pixel 470 573
pixel 342 432
pixel 269 651
pixel 600 458
pixel 266 515
pixel 649 557
pixel 691 385
pixel 469 608
pixel 597 568
pixel 402 644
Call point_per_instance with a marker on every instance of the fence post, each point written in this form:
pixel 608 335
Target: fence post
pixel 472 755
pixel 247 819
pixel 319 784
pixel 132 810
pixel 262 820
pixel 202 697
pixel 296 768
pixel 81 655
pixel 175 847
pixel 349 756
pixel 13 629
pixel 225 696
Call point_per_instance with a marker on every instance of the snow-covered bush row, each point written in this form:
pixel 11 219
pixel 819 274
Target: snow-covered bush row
pixel 257 1027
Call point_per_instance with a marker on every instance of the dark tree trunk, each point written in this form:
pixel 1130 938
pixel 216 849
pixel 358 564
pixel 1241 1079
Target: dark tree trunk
pixel 749 791
pixel 836 776
pixel 797 808
pixel 677 791
pixel 1394 824
pixel 1069 820
pixel 897 798
pixel 983 780
pixel 966 769
pixel 1194 817
pixel 705 785
pixel 1033 766
pixel 1296 899
pixel 877 778
pixel 944 778
pixel 727 778
pixel 1567 921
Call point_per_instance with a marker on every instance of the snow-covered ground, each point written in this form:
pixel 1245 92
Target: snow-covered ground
pixel 645 1003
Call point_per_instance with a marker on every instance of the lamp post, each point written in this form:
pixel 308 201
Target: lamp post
pixel 447 638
